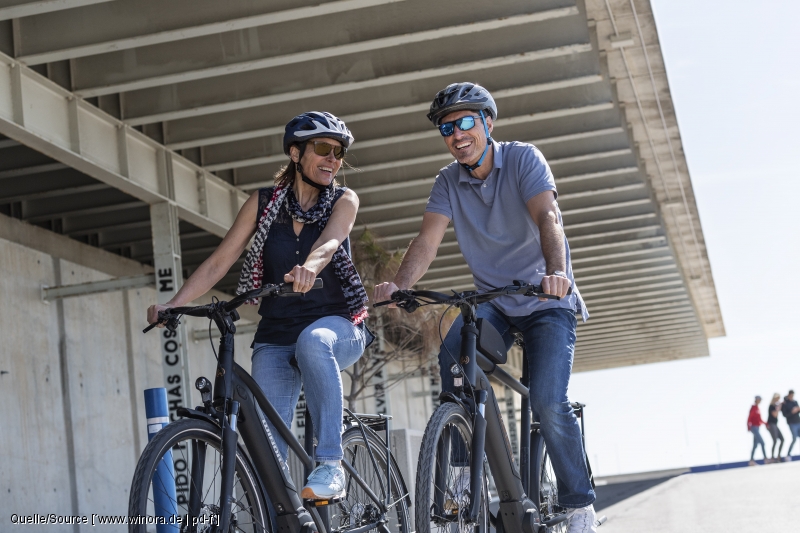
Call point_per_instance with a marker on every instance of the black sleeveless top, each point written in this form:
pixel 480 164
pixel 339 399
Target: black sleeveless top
pixel 284 318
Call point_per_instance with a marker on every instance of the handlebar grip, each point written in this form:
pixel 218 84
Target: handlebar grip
pixel 151 326
pixel 286 288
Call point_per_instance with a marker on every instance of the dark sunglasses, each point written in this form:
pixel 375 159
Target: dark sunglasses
pixel 463 123
pixel 322 148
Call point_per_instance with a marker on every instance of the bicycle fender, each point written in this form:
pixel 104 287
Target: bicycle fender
pixel 452 398
pixel 197 415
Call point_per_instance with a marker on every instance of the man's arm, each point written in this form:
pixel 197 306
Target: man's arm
pixel 544 212
pixel 419 256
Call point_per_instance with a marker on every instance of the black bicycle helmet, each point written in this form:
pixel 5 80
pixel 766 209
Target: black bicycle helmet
pixel 458 96
pixel 315 124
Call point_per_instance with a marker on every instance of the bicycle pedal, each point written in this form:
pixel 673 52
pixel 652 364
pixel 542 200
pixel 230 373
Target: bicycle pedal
pixel 323 503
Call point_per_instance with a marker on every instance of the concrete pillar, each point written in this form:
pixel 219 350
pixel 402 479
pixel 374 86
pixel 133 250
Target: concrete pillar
pixel 169 278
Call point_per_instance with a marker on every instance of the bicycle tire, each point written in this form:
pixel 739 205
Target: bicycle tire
pixel 249 510
pixel 356 509
pixel 435 512
pixel 545 486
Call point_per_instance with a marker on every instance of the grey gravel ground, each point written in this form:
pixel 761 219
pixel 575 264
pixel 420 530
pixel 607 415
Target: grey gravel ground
pixel 761 498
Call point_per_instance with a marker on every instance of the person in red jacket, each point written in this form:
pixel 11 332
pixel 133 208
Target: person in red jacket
pixel 754 422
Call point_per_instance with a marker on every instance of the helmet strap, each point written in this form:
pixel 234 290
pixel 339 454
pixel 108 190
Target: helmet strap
pixel 312 183
pixel 305 178
pixel 489 141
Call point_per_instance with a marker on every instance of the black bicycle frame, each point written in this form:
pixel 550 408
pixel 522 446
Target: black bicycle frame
pixel 489 433
pixel 238 401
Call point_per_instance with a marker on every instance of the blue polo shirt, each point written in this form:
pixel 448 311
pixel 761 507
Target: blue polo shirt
pixel 494 229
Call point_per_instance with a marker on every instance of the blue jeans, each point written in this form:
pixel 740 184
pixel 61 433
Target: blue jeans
pixel 550 346
pixel 757 440
pixel 794 429
pixel 322 350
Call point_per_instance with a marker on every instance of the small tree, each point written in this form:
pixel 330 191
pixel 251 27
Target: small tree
pixel 409 338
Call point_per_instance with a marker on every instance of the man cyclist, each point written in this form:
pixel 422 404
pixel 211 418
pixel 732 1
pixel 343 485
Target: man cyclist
pixel 501 198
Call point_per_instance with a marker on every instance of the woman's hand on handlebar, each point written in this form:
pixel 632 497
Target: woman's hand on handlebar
pixel 301 278
pixel 152 313
pixel 384 291
pixel 555 285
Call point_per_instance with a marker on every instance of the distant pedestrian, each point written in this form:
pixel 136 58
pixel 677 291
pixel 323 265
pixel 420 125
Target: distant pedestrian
pixel 791 411
pixel 772 426
pixel 754 421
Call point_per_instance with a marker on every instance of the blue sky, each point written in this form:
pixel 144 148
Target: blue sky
pixel 734 73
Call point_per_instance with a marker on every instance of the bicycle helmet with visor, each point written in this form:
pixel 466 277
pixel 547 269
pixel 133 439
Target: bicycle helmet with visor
pixel 464 96
pixel 459 96
pixel 315 124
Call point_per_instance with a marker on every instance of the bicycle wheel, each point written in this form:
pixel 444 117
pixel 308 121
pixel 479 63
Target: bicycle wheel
pixel 357 509
pixel 442 487
pixel 545 486
pixel 195 449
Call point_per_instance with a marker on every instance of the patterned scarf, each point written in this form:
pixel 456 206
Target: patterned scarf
pixel 253 269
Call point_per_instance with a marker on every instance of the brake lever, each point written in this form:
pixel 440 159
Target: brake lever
pixel 170 323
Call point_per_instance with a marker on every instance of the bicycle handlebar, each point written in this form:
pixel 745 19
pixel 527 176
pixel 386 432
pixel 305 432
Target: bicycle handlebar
pixel 205 311
pixel 411 300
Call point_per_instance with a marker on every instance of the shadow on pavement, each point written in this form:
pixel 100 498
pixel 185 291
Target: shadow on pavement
pixel 608 495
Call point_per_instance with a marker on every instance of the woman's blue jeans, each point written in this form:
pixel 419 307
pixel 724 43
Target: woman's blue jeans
pixel 757 441
pixel 322 350
pixel 550 346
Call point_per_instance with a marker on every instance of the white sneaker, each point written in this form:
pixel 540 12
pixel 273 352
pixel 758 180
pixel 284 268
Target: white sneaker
pixel 326 482
pixel 458 494
pixel 582 520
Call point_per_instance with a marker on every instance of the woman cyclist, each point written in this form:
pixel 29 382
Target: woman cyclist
pixel 772 426
pixel 301 228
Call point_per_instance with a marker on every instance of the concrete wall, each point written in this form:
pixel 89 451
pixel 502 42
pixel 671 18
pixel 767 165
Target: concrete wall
pixel 72 374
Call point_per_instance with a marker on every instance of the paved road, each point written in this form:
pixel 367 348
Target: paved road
pixel 761 498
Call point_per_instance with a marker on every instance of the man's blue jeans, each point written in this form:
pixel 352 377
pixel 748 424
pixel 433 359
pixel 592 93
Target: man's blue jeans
pixel 550 346
pixel 794 429
pixel 323 349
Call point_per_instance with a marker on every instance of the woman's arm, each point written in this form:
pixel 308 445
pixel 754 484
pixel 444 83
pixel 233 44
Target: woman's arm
pixel 336 231
pixel 219 262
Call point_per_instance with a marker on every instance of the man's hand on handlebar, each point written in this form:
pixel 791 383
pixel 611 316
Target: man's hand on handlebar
pixel 152 313
pixel 301 278
pixel 555 285
pixel 384 291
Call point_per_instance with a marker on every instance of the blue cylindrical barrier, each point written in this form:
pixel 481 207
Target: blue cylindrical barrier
pixel 165 500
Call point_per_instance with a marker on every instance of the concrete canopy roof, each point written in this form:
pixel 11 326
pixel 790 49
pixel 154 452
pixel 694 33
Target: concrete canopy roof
pixel 207 86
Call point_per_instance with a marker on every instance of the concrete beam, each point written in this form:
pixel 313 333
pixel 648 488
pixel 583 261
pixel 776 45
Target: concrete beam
pixel 36 7
pixel 323 53
pixel 94 287
pixel 381 81
pixel 413 109
pixel 566 212
pixel 190 32
pixel 433 133
pixel 41 195
pixel 42 115
pixel 32 170
pixel 429 182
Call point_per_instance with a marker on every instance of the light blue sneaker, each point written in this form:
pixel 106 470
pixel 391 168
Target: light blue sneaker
pixel 326 482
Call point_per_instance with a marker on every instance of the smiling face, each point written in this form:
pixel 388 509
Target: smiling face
pixel 467 146
pixel 319 169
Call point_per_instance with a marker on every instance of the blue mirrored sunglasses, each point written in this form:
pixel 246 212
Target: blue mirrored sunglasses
pixel 463 123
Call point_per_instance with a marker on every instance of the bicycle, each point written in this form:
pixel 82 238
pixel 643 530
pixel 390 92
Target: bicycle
pixel 468 424
pixel 225 464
